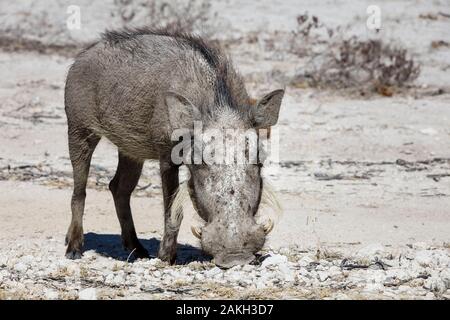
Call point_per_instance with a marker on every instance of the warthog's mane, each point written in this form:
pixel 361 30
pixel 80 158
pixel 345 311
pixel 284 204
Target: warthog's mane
pixel 210 52
pixel 229 86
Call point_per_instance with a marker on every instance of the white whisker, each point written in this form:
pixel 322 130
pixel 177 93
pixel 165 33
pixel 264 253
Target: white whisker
pixel 176 206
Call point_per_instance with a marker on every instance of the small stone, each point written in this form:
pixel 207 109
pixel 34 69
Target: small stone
pixel 275 259
pixel 51 294
pixel 155 262
pixel 213 272
pixel 323 275
pixel 139 270
pixel 305 261
pixel 288 274
pixel 199 277
pixel 88 294
pixel 420 246
pixel 404 289
pixel 247 268
pixel 374 287
pixel 234 276
pixel 118 280
pixel 28 259
pixel 20 267
pixel 369 252
pixel 424 258
pixel 430 296
pixel 435 284
pixel 304 272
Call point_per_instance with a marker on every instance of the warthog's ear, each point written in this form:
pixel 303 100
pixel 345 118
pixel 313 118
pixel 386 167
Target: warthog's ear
pixel 267 109
pixel 182 113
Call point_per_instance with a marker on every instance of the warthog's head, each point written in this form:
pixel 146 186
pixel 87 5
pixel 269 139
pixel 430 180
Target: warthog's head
pixel 227 191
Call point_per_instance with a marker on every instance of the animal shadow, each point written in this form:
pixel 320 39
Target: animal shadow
pixel 110 245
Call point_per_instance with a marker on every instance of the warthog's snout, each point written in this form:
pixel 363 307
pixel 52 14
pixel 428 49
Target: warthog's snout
pixel 227 261
pixel 231 244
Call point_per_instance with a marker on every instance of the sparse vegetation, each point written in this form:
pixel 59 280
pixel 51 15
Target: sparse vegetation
pixel 309 33
pixel 356 62
pixel 351 62
pixel 186 15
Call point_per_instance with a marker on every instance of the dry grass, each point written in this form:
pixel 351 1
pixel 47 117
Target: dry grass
pixel 336 61
pixel 186 15
pixel 356 62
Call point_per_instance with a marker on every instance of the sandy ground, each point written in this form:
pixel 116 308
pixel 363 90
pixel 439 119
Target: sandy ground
pixel 354 171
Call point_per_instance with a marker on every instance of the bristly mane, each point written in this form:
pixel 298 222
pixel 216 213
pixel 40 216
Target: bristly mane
pixel 229 86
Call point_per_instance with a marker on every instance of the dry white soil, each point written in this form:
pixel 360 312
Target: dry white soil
pixel 364 181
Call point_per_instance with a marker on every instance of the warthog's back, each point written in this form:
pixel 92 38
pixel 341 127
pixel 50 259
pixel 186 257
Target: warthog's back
pixel 116 87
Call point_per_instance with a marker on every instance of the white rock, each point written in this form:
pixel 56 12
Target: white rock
pixel 323 275
pixel 51 294
pixel 287 272
pixel 88 294
pixel 3 260
pixel 304 272
pixel 404 289
pixel 341 296
pixel 445 276
pixel 155 261
pixel 376 276
pixel 420 246
pixel 442 258
pixel 109 278
pixel 370 251
pixel 247 268
pixel 435 284
pixel 139 270
pixel 424 258
pixel 275 259
pixel 374 287
pixel 20 267
pixel 260 284
pixel 28 259
pixel 213 272
pixel 157 273
pixel 334 269
pixel 118 280
pixel 234 276
pixel 199 277
pixel 430 296
pixel 320 268
pixel 305 261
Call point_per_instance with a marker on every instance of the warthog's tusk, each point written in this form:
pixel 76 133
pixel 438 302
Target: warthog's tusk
pixel 268 226
pixel 196 232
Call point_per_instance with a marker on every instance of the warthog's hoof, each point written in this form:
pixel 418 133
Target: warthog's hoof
pixel 167 257
pixel 73 254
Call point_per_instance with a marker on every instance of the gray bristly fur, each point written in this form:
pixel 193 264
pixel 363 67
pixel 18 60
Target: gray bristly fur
pixel 134 87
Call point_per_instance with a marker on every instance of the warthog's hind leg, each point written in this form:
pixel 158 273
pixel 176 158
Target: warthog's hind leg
pixel 82 143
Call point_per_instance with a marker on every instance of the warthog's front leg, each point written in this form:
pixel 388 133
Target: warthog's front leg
pixel 170 183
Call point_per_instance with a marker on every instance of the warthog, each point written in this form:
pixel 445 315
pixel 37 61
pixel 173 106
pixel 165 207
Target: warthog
pixel 135 87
